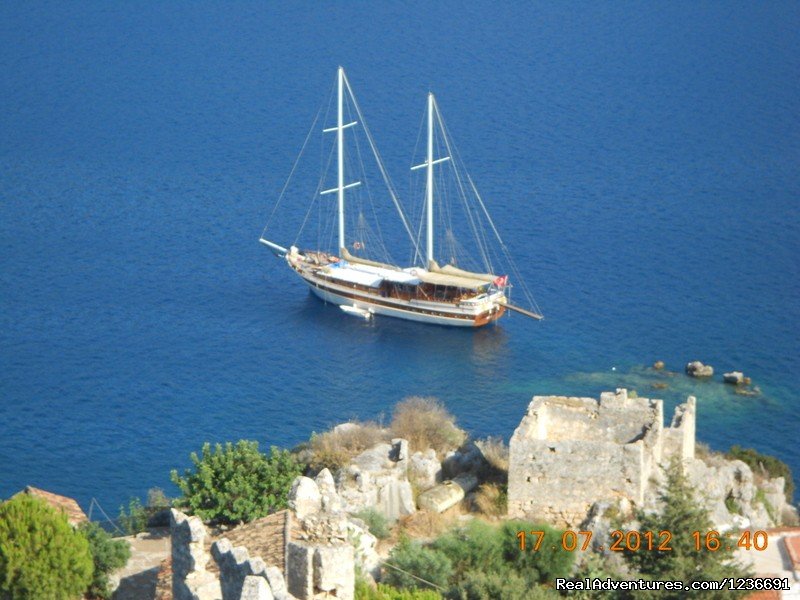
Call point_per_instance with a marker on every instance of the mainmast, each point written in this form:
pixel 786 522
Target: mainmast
pixel 339 129
pixel 429 162
pixel 429 186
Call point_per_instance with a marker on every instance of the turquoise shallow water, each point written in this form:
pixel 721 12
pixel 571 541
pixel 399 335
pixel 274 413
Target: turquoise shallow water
pixel 643 162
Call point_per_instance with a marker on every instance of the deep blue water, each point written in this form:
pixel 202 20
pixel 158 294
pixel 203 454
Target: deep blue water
pixel 642 160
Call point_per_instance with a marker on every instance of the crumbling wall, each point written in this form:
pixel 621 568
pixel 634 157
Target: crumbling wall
pixel 190 579
pixel 569 453
pixel 679 437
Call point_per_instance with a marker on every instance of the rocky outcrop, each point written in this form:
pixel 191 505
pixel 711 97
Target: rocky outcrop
pixel 698 369
pixel 378 479
pixel 734 378
pixel 424 469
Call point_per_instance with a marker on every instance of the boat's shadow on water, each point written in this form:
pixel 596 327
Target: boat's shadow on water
pixel 483 346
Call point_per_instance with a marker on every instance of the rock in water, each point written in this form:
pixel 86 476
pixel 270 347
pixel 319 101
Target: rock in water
pixel 734 377
pixel 698 369
pixel 658 365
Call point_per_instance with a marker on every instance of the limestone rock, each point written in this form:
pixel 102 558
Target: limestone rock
pixel 255 588
pixel 425 469
pixel 378 479
pixel 305 497
pixel 698 369
pixel 365 546
pixel 327 488
pixel 734 377
pixel 190 579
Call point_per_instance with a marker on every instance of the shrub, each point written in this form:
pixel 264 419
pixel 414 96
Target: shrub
pixel 476 545
pixel 544 565
pixel 108 555
pixel 507 585
pixel 135 520
pixel 157 500
pixel 336 448
pixel 377 524
pixel 496 453
pixel 764 463
pixel 236 483
pixel 425 423
pixel 41 556
pixel 364 591
pixel 416 566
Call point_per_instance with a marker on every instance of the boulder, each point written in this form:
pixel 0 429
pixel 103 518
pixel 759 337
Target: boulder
pixel 658 365
pixel 425 469
pixel 734 378
pixel 331 501
pixel 305 498
pixel 698 369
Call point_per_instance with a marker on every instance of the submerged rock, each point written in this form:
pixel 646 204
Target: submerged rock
pixel 734 377
pixel 658 365
pixel 698 369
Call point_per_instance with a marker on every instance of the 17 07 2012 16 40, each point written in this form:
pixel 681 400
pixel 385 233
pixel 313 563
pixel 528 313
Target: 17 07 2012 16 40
pixel 634 541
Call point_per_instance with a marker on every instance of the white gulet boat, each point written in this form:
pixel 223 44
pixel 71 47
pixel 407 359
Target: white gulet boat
pixel 361 286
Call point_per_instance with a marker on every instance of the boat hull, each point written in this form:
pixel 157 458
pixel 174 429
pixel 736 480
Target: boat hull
pixel 407 311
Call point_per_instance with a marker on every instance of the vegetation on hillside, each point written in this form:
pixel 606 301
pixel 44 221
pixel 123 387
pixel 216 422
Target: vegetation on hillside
pixel 236 483
pixel 764 464
pixel 41 555
pixel 108 555
pixel 426 423
pixel 681 514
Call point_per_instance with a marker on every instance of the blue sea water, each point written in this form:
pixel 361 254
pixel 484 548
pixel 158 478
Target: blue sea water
pixel 641 159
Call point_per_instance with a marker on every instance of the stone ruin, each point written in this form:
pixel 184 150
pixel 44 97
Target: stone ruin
pixel 570 458
pixel 569 453
pixel 316 557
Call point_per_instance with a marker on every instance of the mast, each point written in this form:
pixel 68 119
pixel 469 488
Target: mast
pixel 428 164
pixel 340 154
pixel 429 187
pixel 341 81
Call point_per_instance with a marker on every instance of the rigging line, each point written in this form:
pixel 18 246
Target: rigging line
pixel 314 198
pixel 381 243
pixel 385 175
pixel 473 226
pixel 291 173
pixel 513 265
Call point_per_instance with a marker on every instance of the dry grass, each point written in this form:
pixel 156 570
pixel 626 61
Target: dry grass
pixel 491 500
pixel 336 448
pixel 495 452
pixel 425 525
pixel 425 423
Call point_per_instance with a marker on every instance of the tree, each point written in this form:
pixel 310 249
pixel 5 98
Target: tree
pixel 682 514
pixel 108 555
pixel 236 483
pixel 412 565
pixel 41 556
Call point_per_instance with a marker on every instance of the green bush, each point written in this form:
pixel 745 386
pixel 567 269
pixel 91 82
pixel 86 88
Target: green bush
pixel 377 524
pixel 41 556
pixel 490 585
pixel 135 520
pixel 364 591
pixel 476 545
pixel 236 483
pixel 760 463
pixel 544 565
pixel 415 566
pixel 108 555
